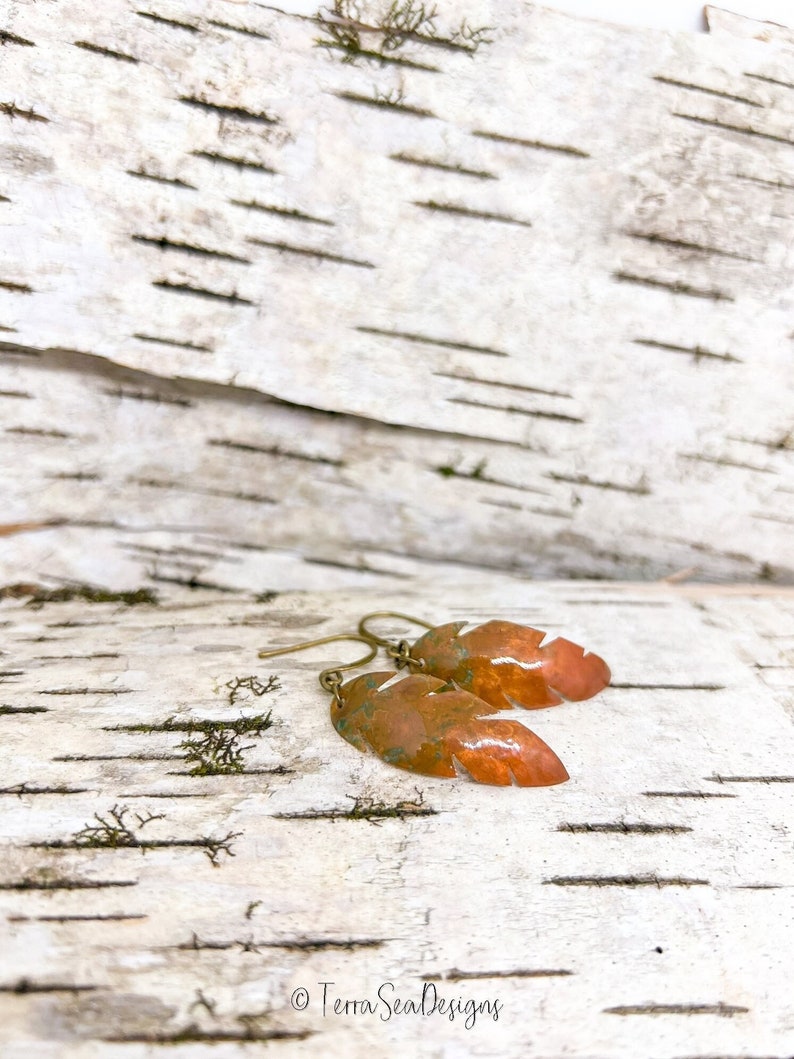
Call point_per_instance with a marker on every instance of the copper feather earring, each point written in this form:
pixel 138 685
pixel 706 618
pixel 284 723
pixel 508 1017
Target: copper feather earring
pixel 501 662
pixel 424 724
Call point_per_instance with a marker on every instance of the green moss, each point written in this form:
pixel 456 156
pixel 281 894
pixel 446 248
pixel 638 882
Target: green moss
pixel 255 725
pixel 403 21
pixel 112 831
pixel 369 809
pixel 217 753
pixel 252 684
pixel 265 597
pixel 450 470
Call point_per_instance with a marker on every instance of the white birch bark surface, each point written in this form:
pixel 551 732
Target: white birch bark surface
pixel 643 908
pixel 273 321
pixel 545 291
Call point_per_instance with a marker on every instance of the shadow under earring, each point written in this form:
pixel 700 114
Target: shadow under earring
pixel 504 663
pixel 426 725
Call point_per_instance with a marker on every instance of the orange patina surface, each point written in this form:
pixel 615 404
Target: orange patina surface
pixel 504 664
pixel 423 724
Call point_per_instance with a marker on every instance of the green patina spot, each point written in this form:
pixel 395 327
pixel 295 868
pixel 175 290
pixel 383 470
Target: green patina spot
pixel 465 675
pixel 394 755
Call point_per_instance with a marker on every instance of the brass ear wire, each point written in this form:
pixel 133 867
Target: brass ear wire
pixel 330 679
pixel 400 651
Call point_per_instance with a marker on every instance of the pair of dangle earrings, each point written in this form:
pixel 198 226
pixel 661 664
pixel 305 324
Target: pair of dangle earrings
pixel 439 720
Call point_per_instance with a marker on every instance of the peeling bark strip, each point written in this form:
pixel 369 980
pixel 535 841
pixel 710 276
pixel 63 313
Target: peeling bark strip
pixel 24 789
pixel 746 130
pixel 514 386
pixel 16 288
pixel 385 104
pixel 117 757
pixel 227 111
pixel 120 918
pixel 153 17
pixel 770 80
pixel 365 809
pixel 160 179
pixel 193 1035
pixel 156 398
pixel 239 29
pixel 378 57
pixel 304 251
pixel 108 52
pixel 465 211
pixel 293 944
pixel 240 163
pixel 706 91
pixel 516 410
pixel 623 880
pixel 477 474
pixel 723 1010
pixel 682 244
pixel 624 829
pixel 751 779
pixel 779 185
pixel 469 976
pixel 443 343
pixel 444 167
pixel 722 462
pixel 537 145
pixel 86 691
pixel 200 292
pixel 696 352
pixel 36 595
pixel 172 342
pixel 11 110
pixel 666 687
pixel 11 38
pixel 280 211
pixel 212 847
pixel 24 986
pixel 253 498
pixel 240 725
pixel 162 243
pixel 675 287
pixel 640 490
pixel 274 450
pixel 66 884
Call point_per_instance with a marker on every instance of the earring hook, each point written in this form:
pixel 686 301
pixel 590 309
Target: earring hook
pixel 380 640
pixel 400 651
pixel 330 679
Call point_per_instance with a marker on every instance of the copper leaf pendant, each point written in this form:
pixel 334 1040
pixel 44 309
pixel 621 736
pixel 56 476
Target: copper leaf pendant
pixel 505 664
pixel 426 725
